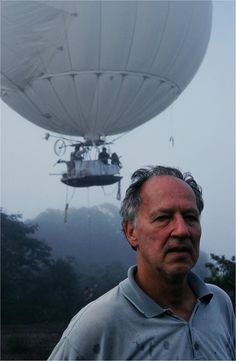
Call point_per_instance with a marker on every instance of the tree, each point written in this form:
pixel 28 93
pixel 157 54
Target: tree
pixel 63 296
pixel 22 257
pixel 35 287
pixel 200 267
pixel 222 274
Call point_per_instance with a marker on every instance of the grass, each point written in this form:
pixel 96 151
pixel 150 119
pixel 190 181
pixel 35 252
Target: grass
pixel 29 342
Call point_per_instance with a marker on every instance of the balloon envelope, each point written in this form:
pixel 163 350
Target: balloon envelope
pixel 91 68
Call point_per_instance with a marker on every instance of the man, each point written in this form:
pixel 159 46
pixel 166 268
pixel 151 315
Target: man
pixel 78 153
pixel 104 156
pixel 115 160
pixel 162 311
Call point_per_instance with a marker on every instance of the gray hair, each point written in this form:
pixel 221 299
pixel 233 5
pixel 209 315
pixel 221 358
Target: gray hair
pixel 130 205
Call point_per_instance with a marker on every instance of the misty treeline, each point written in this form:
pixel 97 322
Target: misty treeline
pixel 51 269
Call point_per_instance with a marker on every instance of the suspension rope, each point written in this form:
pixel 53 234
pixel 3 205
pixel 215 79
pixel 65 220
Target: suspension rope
pixel 171 120
pixel 118 196
pixel 68 203
pixel 89 223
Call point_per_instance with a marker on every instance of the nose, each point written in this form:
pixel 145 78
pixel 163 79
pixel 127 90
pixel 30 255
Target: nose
pixel 180 228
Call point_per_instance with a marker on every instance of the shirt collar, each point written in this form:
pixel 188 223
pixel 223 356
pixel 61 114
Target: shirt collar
pixel 200 289
pixel 147 305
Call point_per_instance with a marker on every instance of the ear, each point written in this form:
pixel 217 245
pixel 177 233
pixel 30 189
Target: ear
pixel 130 232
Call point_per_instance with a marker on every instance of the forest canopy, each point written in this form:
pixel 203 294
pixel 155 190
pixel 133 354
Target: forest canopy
pixel 39 284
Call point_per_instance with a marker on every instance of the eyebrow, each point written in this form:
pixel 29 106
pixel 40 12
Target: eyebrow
pixel 189 209
pixel 171 210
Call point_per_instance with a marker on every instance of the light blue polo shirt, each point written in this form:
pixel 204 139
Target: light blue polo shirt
pixel 126 324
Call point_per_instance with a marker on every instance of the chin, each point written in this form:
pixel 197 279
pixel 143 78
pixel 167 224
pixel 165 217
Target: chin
pixel 180 270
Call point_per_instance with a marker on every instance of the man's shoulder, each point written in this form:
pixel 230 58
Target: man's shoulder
pixel 109 301
pixel 102 311
pixel 217 291
pixel 221 298
pixel 97 320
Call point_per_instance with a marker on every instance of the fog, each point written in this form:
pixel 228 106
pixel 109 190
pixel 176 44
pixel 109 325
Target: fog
pixel 201 122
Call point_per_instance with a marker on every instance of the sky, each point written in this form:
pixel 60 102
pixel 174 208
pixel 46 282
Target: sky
pixel 201 122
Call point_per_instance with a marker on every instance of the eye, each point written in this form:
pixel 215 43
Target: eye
pixel 191 218
pixel 162 218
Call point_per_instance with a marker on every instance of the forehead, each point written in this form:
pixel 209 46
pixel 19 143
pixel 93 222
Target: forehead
pixel 165 189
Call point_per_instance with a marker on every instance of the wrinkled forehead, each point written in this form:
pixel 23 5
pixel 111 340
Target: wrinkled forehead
pixel 159 187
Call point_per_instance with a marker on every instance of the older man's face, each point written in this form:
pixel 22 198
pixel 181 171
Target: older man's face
pixel 167 231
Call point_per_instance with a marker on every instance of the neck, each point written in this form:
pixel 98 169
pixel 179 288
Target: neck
pixel 169 292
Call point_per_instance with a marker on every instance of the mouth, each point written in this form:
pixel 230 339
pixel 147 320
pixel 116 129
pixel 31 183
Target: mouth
pixel 179 251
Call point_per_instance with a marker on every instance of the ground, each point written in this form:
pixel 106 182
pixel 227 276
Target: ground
pixel 29 342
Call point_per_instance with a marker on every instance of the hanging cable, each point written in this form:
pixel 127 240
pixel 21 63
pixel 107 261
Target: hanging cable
pixel 103 189
pixel 68 201
pixel 171 138
pixel 120 136
pixel 66 212
pixel 108 193
pixel 89 223
pixel 118 196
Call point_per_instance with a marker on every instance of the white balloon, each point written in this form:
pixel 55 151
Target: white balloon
pixel 91 68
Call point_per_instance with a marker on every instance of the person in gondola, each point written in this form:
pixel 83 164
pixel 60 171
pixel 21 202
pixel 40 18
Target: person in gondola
pixel 115 160
pixel 78 153
pixel 104 156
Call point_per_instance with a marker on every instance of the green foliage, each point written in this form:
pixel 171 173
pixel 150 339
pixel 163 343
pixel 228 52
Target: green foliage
pixel 38 288
pixel 35 287
pixel 101 279
pixel 222 273
pixel 64 295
